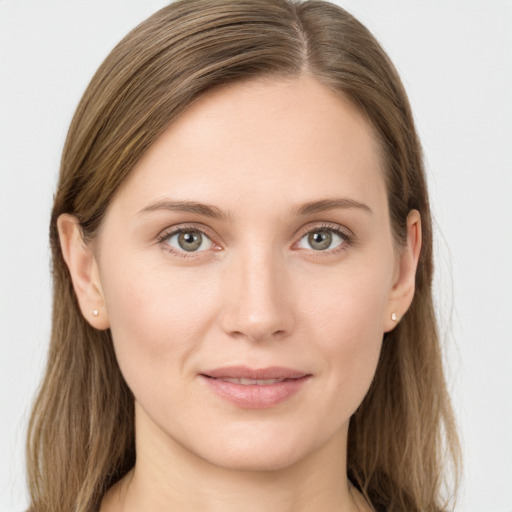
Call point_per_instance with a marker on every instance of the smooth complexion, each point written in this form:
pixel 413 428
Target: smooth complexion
pixel 253 234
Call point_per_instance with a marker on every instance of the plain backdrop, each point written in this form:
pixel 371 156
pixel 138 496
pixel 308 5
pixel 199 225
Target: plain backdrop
pixel 455 58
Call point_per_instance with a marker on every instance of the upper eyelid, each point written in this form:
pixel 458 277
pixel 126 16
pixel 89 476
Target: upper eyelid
pixel 308 228
pixel 172 230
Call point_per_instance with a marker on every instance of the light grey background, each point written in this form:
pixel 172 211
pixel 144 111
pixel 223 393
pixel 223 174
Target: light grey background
pixel 455 58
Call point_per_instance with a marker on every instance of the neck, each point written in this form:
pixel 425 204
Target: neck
pixel 168 477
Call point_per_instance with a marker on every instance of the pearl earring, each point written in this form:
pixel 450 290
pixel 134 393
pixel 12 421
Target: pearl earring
pixel 393 317
pixel 95 312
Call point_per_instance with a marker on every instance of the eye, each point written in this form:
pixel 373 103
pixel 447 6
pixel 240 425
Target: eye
pixel 323 239
pixel 188 240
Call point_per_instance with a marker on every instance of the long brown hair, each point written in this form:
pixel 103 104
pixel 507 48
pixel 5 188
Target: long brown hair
pixel 81 433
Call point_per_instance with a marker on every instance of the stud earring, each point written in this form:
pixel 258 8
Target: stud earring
pixel 95 312
pixel 393 317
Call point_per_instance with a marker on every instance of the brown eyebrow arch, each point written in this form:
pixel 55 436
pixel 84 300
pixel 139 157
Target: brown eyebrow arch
pixel 330 204
pixel 186 207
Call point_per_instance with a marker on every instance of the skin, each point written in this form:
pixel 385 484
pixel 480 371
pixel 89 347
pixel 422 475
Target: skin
pixel 257 295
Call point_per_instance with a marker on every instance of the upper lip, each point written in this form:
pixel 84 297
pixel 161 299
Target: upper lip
pixel 244 372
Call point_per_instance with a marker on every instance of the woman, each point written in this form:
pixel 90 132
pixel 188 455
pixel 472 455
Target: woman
pixel 242 258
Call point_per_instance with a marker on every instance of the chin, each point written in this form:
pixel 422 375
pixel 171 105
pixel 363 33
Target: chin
pixel 260 450
pixel 260 460
pixel 250 461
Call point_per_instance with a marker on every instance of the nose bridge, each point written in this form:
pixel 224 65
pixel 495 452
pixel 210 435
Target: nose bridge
pixel 257 306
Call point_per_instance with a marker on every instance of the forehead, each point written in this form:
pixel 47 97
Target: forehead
pixel 257 141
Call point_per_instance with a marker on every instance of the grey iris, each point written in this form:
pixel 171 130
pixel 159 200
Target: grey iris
pixel 190 240
pixel 320 240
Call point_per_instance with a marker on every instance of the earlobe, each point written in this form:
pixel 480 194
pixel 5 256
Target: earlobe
pixel 403 288
pixel 83 268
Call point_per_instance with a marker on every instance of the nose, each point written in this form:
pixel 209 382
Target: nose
pixel 258 302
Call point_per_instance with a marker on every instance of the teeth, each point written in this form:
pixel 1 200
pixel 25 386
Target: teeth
pixel 253 382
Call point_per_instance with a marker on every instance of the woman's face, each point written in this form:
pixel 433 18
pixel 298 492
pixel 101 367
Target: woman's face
pixel 248 271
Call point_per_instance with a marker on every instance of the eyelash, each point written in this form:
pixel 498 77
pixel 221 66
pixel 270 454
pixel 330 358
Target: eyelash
pixel 345 235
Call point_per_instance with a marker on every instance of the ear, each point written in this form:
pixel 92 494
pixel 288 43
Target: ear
pixel 403 288
pixel 82 265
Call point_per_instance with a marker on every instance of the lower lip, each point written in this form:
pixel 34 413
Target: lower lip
pixel 253 396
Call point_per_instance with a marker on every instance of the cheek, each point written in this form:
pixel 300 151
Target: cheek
pixel 347 322
pixel 156 317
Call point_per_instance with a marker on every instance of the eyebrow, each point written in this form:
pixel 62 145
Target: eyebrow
pixel 213 212
pixel 186 207
pixel 330 204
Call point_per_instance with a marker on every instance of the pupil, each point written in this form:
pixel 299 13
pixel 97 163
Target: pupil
pixel 190 240
pixel 320 240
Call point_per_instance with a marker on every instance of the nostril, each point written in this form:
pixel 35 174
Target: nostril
pixel 259 335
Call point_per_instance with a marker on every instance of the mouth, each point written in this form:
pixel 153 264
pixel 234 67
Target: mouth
pixel 278 373
pixel 252 382
pixel 255 388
